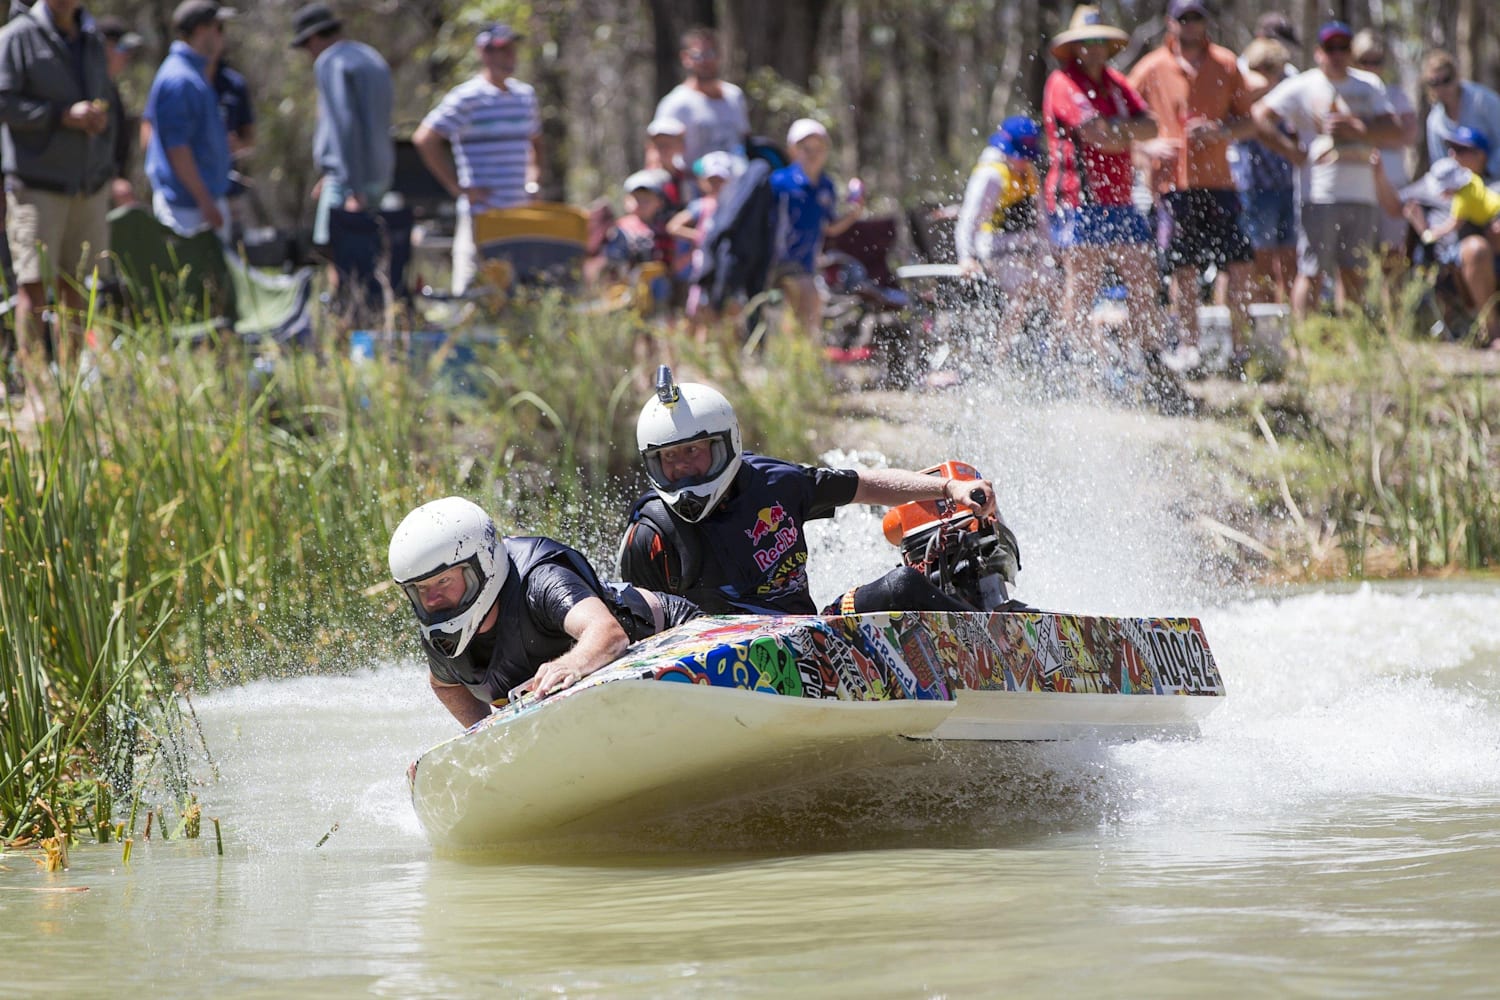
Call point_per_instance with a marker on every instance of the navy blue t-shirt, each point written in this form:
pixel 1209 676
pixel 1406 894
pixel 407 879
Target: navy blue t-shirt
pixel 753 545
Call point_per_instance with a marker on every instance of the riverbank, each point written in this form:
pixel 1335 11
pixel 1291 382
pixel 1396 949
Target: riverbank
pixel 1373 456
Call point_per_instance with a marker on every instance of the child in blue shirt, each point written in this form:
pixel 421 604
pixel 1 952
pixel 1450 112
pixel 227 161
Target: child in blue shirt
pixel 807 206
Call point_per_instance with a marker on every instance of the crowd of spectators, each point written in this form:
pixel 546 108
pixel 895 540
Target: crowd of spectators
pixel 1287 186
pixel 1196 161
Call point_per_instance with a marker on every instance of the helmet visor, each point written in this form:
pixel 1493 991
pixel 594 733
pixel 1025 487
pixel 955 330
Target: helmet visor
pixel 693 462
pixel 447 593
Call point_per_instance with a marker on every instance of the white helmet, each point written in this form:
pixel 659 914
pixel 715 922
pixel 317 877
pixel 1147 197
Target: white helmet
pixel 447 533
pixel 679 414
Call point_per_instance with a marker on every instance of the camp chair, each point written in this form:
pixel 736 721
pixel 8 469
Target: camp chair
pixel 371 252
pixel 543 242
pixel 193 288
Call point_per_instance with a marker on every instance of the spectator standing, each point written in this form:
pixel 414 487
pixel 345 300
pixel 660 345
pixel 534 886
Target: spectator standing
pixel 713 112
pixel 57 147
pixel 1268 184
pixel 1458 102
pixel 120 44
pixel 352 146
pixel 1201 104
pixel 666 149
pixel 633 239
pixel 1339 114
pixel 238 111
pixel 1001 231
pixel 493 131
pixel 807 210
pixel 1092 116
pixel 1369 51
pixel 691 226
pixel 187 155
pixel 1276 25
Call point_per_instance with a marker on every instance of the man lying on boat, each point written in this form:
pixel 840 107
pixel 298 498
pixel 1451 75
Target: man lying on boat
pixel 724 528
pixel 499 615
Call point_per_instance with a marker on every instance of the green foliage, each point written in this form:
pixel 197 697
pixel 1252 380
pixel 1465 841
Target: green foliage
pixel 194 516
pixel 1405 456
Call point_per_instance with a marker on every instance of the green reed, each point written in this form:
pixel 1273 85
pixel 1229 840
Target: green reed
pixel 189 516
pixel 1410 465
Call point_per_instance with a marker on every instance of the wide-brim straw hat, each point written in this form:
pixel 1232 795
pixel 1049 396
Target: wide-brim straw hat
pixel 1087 26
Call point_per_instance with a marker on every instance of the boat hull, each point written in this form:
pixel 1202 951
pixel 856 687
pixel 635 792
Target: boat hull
pixel 726 707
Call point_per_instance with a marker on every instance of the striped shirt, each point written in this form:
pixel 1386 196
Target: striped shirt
pixel 490 131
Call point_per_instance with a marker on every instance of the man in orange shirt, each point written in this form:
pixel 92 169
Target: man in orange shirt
pixel 1202 105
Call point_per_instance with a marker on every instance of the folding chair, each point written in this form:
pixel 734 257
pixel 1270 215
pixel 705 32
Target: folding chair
pixel 543 243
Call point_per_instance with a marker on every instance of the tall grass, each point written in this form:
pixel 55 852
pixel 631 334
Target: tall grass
pixel 196 516
pixel 1407 460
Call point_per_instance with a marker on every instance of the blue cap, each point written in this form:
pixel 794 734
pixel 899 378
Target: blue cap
pixel 1018 136
pixel 1463 135
pixel 1332 30
pixel 495 34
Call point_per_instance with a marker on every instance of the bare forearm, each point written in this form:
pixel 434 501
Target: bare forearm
pixel 462 705
pixel 434 153
pixel 598 645
pixel 890 487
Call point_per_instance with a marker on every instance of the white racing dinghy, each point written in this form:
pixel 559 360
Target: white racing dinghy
pixel 724 707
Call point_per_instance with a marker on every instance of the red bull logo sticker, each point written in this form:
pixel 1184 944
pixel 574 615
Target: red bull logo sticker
pixel 766 522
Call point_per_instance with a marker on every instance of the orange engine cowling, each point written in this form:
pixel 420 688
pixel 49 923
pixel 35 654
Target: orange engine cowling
pixel 949 544
pixel 920 516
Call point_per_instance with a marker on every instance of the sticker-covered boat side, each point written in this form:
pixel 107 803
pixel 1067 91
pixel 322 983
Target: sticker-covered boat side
pixel 932 655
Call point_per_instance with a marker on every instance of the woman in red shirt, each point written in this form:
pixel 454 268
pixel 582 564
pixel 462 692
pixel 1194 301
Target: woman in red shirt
pixel 1092 116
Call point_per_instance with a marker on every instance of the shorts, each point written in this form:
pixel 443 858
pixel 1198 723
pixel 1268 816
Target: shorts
pixel 1339 236
pixel 1202 227
pixel 785 269
pixel 1099 226
pixel 331 196
pixel 189 221
pixel 54 234
pixel 1269 218
pixel 1014 261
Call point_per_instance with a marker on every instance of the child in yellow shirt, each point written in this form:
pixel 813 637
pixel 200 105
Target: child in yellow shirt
pixel 1476 208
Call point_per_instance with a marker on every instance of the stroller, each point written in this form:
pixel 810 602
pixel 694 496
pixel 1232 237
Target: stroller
pixel 863 315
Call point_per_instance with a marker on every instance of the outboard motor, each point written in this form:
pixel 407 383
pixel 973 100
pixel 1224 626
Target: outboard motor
pixel 971 559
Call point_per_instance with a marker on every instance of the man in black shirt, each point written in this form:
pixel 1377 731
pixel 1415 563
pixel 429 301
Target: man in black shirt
pixel 499 615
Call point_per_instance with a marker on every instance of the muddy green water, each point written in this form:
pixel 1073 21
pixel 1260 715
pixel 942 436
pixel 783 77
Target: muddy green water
pixel 1334 832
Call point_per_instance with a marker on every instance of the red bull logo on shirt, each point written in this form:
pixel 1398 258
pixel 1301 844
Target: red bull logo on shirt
pixel 766 522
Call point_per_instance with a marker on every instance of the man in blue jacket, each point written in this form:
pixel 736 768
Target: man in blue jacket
pixel 58 143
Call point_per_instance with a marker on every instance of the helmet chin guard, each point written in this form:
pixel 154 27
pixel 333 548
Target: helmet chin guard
pixel 677 415
pixel 451 533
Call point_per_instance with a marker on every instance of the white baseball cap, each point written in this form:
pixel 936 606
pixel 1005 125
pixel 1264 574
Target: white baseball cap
pixel 716 164
pixel 648 180
pixel 802 128
pixel 666 126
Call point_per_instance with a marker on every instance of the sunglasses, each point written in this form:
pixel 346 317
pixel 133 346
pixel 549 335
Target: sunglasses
pixel 1441 81
pixel 1336 47
pixel 1191 17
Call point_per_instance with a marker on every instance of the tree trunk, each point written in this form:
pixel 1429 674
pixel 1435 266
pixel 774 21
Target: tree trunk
pixel 669 19
pixel 781 34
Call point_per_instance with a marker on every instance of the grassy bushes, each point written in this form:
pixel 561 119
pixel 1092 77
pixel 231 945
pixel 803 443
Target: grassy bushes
pixel 197 516
pixel 1399 449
